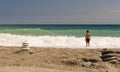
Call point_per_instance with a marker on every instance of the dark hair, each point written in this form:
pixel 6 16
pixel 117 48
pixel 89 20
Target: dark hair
pixel 87 31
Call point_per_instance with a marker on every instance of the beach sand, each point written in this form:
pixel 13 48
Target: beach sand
pixel 55 60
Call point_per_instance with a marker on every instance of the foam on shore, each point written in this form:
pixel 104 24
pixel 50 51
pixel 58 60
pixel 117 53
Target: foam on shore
pixel 58 41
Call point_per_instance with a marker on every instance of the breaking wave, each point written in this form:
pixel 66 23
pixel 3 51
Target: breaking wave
pixel 58 41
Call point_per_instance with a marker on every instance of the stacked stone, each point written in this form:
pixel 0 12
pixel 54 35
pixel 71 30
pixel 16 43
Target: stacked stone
pixel 90 62
pixel 110 56
pixel 25 46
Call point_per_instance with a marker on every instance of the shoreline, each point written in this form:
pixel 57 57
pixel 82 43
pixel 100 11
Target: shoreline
pixel 58 41
pixel 62 47
pixel 54 59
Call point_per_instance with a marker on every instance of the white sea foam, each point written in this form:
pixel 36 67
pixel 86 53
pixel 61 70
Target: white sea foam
pixel 59 41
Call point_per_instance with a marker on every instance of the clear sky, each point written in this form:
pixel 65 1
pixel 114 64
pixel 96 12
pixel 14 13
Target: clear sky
pixel 59 11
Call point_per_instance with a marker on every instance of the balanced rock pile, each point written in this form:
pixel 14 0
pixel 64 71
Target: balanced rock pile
pixel 25 47
pixel 90 62
pixel 110 56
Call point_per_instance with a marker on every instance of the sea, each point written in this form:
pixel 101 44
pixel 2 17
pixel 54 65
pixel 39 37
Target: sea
pixel 60 35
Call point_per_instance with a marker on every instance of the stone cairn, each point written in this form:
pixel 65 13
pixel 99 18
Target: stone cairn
pixel 110 56
pixel 90 62
pixel 25 47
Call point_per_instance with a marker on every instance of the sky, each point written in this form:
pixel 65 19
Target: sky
pixel 59 11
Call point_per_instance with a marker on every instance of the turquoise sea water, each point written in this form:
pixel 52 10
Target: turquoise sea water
pixel 62 30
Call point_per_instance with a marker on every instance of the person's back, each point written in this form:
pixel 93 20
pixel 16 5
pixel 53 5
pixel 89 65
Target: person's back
pixel 87 37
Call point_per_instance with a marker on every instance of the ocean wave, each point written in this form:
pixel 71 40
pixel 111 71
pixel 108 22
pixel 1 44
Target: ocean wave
pixel 58 41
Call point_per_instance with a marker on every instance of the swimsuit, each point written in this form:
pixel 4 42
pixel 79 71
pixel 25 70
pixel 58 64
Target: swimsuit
pixel 87 40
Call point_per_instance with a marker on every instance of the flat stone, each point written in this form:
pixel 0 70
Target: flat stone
pixel 107 52
pixel 113 61
pixel 94 64
pixel 110 58
pixel 90 60
pixel 107 56
pixel 87 64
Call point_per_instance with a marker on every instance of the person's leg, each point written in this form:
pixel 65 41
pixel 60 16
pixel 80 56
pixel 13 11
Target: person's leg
pixel 87 44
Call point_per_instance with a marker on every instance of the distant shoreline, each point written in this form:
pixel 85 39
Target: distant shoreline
pixel 54 24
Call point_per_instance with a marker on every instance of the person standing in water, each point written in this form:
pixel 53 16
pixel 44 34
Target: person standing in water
pixel 87 38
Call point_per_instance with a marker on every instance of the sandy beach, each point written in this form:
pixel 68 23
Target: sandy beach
pixel 56 60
